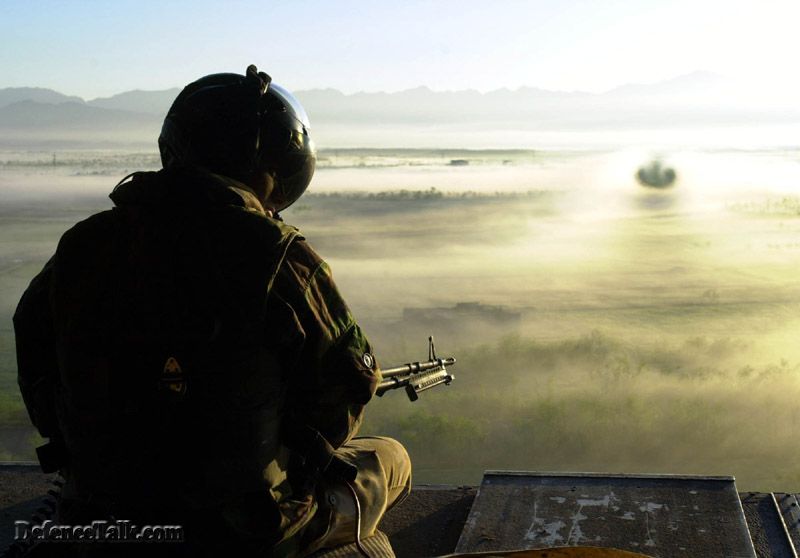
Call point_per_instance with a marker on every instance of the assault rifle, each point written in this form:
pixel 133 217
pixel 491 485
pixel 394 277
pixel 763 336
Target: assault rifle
pixel 417 376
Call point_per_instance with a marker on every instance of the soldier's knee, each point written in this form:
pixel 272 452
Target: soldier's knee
pixel 392 454
pixel 396 466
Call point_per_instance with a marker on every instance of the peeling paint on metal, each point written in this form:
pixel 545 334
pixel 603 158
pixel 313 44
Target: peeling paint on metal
pixel 575 528
pixel 547 534
pixel 650 514
pixel 540 532
pixel 650 507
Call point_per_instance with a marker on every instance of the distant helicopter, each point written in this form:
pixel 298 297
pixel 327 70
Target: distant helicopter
pixel 656 176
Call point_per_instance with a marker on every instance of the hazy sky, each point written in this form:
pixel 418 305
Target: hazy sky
pixel 97 48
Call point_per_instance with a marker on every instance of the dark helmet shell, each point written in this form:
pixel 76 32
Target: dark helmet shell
pixel 240 125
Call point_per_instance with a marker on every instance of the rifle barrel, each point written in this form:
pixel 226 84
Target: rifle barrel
pixel 416 367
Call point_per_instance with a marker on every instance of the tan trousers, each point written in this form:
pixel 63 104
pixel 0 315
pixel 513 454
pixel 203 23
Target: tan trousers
pixel 383 481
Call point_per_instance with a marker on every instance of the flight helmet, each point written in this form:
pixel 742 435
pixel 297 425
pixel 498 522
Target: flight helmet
pixel 241 126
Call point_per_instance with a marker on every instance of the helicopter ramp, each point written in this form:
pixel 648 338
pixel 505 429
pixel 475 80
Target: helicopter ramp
pixel 658 515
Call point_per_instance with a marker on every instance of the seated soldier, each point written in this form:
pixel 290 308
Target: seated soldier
pixel 190 357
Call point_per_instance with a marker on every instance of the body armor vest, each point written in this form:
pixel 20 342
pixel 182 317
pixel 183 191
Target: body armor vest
pixel 171 352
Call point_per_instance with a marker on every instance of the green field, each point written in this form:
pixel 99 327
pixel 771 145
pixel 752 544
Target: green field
pixel 654 331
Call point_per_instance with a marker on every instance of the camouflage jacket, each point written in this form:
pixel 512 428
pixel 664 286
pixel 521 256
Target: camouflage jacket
pixel 169 339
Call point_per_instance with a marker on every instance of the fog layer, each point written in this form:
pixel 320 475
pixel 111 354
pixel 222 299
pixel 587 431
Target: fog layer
pixel 597 325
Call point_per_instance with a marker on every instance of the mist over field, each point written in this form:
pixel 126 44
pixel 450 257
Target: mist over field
pixel 598 325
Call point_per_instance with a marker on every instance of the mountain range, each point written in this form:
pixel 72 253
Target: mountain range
pixel 31 117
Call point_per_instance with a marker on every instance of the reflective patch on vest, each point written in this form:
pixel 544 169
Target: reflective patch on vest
pixel 368 360
pixel 172 377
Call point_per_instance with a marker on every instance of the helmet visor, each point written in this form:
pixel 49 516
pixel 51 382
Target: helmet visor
pixel 292 104
pixel 294 171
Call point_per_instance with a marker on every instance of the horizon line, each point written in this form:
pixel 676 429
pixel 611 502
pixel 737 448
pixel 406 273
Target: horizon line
pixel 705 73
